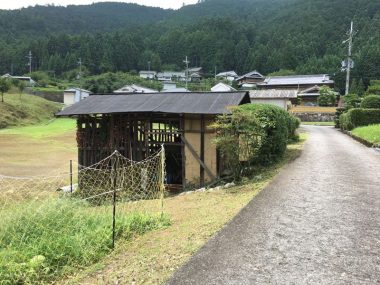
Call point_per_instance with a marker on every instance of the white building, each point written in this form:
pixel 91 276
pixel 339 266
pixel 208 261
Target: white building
pixel 280 98
pixel 222 87
pixel 171 76
pixel 227 75
pixel 135 89
pixel 148 74
pixel 74 95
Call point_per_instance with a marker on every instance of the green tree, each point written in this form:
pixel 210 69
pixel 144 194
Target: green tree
pixel 327 97
pixel 21 87
pixel 5 85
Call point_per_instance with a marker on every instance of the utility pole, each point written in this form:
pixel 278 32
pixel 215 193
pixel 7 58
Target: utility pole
pixel 29 56
pixel 80 78
pixel 349 64
pixel 186 61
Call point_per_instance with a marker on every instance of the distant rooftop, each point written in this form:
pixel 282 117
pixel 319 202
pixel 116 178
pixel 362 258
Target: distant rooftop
pixel 315 79
pixel 272 94
pixel 135 89
pixel 75 89
pixel 253 75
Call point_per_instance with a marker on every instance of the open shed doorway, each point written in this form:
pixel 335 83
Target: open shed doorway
pixel 168 131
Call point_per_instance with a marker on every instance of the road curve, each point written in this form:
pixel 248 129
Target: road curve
pixel 318 222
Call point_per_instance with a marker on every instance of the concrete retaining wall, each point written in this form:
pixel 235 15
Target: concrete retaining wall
pixel 315 117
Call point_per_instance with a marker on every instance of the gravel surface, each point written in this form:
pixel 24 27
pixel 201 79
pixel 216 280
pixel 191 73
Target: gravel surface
pixel 317 223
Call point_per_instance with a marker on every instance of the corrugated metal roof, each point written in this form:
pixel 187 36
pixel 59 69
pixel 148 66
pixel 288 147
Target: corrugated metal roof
pixel 272 94
pixel 316 79
pixel 175 103
pixel 75 89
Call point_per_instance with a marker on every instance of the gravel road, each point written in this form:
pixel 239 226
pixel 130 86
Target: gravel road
pixel 318 222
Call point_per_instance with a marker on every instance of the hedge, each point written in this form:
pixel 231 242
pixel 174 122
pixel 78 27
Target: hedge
pixel 371 102
pixel 277 126
pixel 359 117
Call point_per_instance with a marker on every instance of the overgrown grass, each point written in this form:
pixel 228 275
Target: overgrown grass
pixel 25 111
pixel 47 129
pixel 319 123
pixel 41 241
pixel 369 133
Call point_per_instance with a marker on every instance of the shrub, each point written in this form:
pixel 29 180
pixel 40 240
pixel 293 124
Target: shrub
pixel 254 133
pixel 351 101
pixel 338 113
pixel 371 102
pixel 359 117
pixel 327 97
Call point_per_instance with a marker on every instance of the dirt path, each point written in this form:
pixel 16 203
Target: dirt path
pixel 317 223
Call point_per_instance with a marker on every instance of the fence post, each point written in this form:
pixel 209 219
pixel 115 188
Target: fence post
pixel 71 176
pixel 162 186
pixel 114 186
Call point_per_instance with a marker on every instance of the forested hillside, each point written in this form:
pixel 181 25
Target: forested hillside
pixel 304 36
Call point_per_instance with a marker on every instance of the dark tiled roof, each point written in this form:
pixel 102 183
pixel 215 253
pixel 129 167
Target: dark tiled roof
pixel 175 103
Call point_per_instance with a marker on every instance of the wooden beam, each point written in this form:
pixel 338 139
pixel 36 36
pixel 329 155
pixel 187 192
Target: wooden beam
pixel 196 156
pixel 182 127
pixel 202 136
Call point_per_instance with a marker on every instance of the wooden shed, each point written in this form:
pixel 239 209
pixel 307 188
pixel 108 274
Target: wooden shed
pixel 137 125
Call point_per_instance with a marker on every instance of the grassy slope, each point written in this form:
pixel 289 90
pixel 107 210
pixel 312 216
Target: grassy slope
pixel 152 258
pixel 51 128
pixel 369 133
pixel 41 149
pixel 25 111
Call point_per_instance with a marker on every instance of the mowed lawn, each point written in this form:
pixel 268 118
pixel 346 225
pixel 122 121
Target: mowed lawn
pixel 369 133
pixel 43 149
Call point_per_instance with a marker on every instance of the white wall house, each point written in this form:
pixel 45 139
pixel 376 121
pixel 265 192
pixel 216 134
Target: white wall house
pixel 227 75
pixel 280 98
pixel 74 95
pixel 134 89
pixel 222 87
pixel 146 74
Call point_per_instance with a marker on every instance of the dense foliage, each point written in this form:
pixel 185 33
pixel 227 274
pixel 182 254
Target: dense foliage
pixel 371 102
pixel 254 134
pixel 242 35
pixel 327 97
pixel 359 117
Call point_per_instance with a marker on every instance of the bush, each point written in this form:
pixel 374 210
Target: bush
pixel 255 134
pixel 327 97
pixel 359 117
pixel 371 102
pixel 351 101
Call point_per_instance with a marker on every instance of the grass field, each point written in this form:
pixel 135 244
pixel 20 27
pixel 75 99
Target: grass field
pixel 368 133
pixel 153 258
pixel 41 149
pixel 319 123
pixel 26 111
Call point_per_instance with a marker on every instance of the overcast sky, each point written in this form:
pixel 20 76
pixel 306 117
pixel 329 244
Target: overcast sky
pixel 12 4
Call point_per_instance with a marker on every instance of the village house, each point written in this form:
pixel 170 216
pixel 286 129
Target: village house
pixel 280 98
pixel 74 95
pixel 309 96
pixel 227 75
pixel 134 88
pixel 138 124
pixel 222 87
pixel 298 82
pixel 250 79
pixel 148 74
pixel 171 76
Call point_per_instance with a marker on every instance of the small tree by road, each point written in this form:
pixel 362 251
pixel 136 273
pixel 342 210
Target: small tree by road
pixel 327 97
pixel 5 85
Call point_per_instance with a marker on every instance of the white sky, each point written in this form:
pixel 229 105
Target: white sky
pixel 174 4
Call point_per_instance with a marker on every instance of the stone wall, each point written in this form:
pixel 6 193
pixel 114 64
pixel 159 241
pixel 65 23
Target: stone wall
pixel 315 117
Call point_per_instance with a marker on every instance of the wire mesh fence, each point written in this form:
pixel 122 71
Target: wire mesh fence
pixel 50 224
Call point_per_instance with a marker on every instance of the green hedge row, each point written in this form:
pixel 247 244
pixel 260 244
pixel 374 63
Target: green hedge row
pixel 359 117
pixel 277 127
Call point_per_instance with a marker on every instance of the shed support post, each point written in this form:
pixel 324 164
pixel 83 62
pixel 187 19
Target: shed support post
pixel 202 158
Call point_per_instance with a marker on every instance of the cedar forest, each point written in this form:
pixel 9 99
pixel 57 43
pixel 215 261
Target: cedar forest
pixel 271 36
